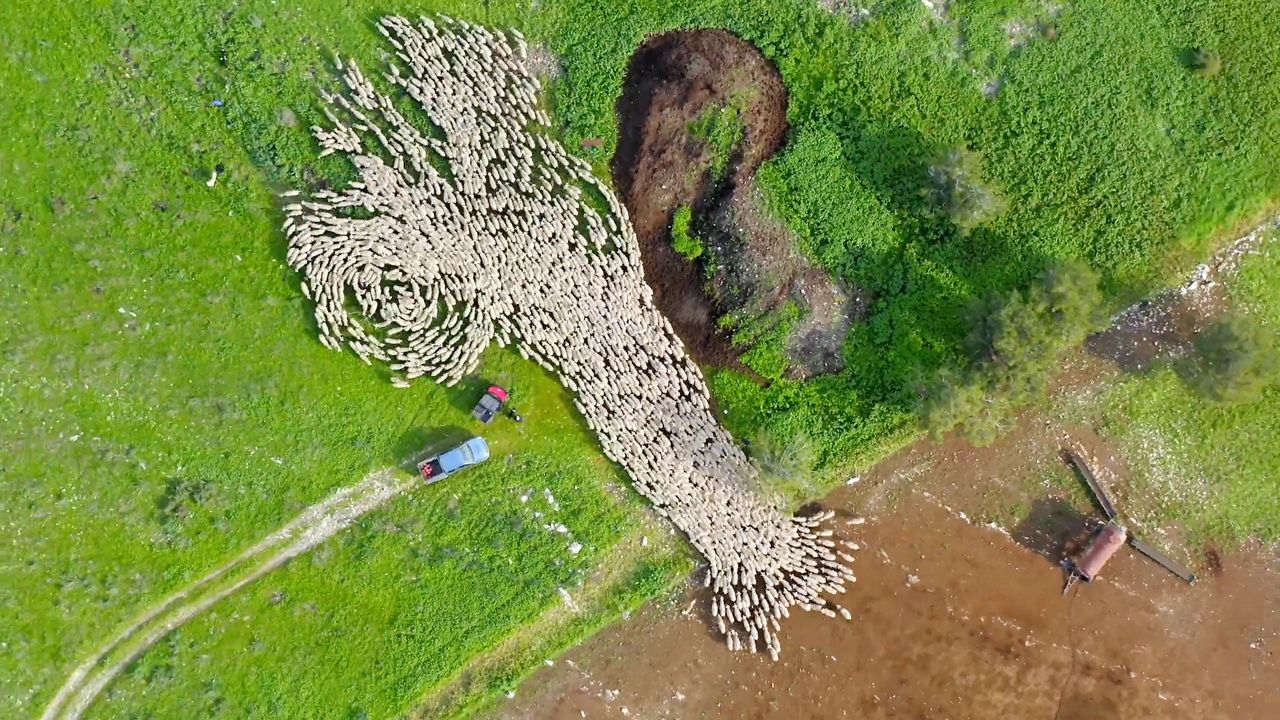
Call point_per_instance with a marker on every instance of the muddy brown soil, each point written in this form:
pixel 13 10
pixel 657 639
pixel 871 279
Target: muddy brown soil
pixel 951 619
pixel 660 166
pixel 1157 330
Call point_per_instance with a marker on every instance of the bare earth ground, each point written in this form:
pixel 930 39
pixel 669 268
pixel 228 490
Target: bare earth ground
pixel 659 166
pixel 951 619
pixel 672 81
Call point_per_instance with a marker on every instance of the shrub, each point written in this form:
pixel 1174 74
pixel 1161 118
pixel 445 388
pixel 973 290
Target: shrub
pixel 786 463
pixel 721 128
pixel 1202 61
pixel 681 238
pixel 956 189
pixel 1235 360
pixel 1013 347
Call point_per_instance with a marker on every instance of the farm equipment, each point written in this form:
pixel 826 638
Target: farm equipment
pixel 490 405
pixel 1108 540
pixel 438 467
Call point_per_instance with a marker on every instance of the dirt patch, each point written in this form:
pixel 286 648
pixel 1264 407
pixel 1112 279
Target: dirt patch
pixel 544 63
pixel 760 269
pixel 951 620
pixel 1157 330
pixel 660 166
pixel 676 80
pixel 1163 328
pixel 817 343
pixel 855 13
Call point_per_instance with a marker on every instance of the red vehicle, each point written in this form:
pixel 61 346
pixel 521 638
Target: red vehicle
pixel 490 406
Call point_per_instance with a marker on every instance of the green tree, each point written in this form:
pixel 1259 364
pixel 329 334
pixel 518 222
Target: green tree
pixel 1014 344
pixel 1235 360
pixel 957 189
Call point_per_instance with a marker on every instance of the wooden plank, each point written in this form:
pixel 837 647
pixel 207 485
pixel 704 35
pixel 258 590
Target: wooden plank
pixel 1163 560
pixel 1083 468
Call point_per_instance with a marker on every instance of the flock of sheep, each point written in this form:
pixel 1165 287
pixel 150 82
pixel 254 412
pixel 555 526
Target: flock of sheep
pixel 478 226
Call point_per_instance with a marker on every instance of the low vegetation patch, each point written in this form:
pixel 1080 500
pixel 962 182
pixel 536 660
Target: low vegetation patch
pixel 721 129
pixel 689 247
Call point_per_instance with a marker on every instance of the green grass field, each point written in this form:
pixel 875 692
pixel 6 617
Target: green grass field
pixel 166 403
pixel 1212 468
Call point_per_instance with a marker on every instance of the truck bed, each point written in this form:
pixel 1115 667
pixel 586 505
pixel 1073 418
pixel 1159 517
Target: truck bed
pixel 430 470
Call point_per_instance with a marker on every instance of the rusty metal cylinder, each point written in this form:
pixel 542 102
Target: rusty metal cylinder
pixel 1104 545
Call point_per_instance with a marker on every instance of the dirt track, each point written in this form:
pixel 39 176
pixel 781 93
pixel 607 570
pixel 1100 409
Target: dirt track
pixel 315 525
pixel 952 620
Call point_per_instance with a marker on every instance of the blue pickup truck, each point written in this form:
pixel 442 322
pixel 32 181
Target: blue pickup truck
pixel 436 468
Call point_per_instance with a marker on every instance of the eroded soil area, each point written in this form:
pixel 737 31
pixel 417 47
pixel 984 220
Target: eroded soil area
pixel 951 619
pixel 674 81
pixel 660 165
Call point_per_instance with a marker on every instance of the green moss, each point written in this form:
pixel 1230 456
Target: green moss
pixel 690 247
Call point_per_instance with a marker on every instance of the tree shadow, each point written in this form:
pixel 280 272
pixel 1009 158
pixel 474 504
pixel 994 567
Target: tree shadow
pixel 419 443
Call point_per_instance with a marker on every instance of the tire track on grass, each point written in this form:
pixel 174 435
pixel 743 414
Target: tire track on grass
pixel 312 527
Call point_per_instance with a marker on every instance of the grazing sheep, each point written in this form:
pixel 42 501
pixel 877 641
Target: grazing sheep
pixel 507 249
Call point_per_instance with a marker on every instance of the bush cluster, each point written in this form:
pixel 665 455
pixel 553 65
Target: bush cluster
pixel 1013 347
pixel 682 238
pixel 1235 359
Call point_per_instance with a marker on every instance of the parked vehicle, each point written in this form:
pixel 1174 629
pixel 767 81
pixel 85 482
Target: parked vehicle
pixel 490 406
pixel 438 467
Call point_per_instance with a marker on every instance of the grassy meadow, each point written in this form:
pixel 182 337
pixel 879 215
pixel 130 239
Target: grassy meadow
pixel 1212 468
pixel 166 403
